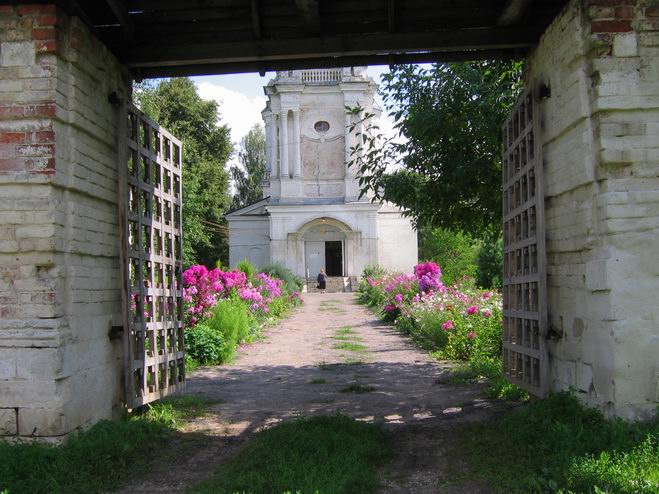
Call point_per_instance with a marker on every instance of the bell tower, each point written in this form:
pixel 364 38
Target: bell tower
pixel 308 138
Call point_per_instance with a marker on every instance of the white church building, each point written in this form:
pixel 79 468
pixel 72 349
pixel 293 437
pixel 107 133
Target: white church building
pixel 311 217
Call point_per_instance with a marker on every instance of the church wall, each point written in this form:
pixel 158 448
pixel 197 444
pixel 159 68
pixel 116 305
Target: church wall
pixel 249 238
pixel 322 153
pixel 288 224
pixel 397 241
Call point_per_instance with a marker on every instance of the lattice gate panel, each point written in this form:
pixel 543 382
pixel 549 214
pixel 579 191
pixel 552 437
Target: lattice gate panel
pixel 154 342
pixel 524 273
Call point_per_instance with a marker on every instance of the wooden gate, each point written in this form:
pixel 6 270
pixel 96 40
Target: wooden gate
pixel 150 187
pixel 524 273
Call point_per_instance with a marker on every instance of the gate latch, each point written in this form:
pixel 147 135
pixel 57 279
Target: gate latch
pixel 115 332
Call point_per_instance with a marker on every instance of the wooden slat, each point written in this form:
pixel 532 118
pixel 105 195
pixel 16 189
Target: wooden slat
pixel 154 367
pixel 524 277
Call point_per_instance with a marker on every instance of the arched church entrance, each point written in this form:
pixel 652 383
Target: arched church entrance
pixel 324 248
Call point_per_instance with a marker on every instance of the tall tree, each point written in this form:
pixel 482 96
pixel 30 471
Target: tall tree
pixel 448 166
pixel 248 176
pixel 177 106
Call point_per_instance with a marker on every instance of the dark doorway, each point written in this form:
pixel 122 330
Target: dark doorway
pixel 334 258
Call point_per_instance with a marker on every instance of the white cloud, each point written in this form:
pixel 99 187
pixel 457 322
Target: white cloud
pixel 237 110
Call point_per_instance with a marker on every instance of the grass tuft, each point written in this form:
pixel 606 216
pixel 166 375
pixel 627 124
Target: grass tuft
pixel 358 388
pixel 318 381
pixel 557 445
pixel 489 370
pixel 346 333
pixel 351 347
pixel 328 455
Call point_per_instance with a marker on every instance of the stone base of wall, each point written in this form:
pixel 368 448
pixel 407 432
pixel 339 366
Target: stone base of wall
pixel 59 264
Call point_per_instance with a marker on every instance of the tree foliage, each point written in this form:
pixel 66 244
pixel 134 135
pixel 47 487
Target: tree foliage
pixel 177 106
pixel 248 176
pixel 455 252
pixel 447 168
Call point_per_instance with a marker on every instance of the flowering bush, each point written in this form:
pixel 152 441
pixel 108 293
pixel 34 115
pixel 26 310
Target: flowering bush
pixel 201 290
pixel 459 321
pixel 229 307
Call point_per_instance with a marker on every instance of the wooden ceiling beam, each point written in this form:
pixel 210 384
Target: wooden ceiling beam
pixel 310 12
pixel 391 15
pixel 317 63
pixel 513 12
pixel 256 19
pixel 120 11
pixel 159 54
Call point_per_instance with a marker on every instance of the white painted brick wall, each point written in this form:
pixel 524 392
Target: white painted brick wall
pixel 59 274
pixel 601 156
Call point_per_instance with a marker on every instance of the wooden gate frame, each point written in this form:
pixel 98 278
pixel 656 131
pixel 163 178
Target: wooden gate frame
pixel 150 219
pixel 525 354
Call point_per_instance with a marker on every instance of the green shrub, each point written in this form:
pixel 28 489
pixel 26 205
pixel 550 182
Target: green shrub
pixel 455 252
pixel 279 307
pixel 369 293
pixel 246 267
pixel 490 262
pixel 204 344
pixel 231 321
pixel 373 271
pixel 557 445
pixel 278 270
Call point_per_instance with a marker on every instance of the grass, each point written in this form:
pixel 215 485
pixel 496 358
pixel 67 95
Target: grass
pixel 318 381
pixel 98 460
pixel 488 369
pixel 328 455
pixel 557 445
pixel 326 366
pixel 177 410
pixel 351 346
pixel 358 388
pixel 346 333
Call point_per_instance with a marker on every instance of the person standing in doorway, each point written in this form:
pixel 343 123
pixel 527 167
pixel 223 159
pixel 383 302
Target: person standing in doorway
pixel 322 280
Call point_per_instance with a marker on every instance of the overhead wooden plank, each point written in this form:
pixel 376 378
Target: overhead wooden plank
pixel 391 15
pixel 256 19
pixel 310 12
pixel 319 63
pixel 145 55
pixel 513 12
pixel 120 11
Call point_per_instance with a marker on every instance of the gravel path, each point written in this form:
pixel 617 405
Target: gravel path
pixel 298 370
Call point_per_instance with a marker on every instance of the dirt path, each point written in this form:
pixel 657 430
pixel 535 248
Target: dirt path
pixel 298 371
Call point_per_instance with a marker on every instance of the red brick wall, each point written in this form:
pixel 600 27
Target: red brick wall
pixel 29 35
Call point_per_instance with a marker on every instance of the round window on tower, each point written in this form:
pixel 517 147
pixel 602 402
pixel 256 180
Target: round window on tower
pixel 321 126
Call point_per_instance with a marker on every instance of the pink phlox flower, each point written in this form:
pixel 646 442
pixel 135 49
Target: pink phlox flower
pixel 487 313
pixel 472 310
pixel 447 325
pixel 471 335
pixel 427 268
pixel 398 298
pixel 389 308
